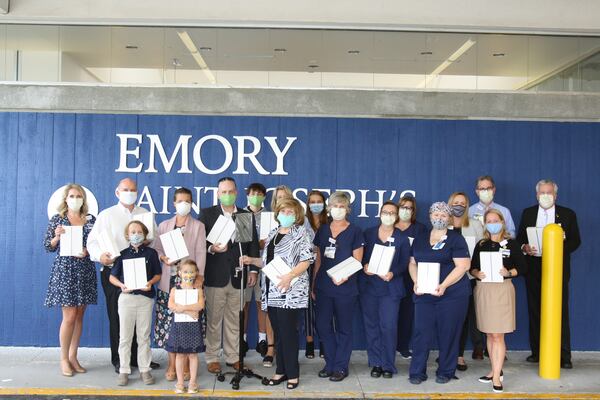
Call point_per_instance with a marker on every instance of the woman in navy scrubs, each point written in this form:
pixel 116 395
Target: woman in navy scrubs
pixel 336 242
pixel 411 228
pixel 380 294
pixel 439 315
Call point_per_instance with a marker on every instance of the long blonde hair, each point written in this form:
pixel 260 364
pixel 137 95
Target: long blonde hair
pixel 503 233
pixel 63 207
pixel 285 189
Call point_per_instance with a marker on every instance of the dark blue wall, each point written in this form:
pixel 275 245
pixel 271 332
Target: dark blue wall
pixel 43 151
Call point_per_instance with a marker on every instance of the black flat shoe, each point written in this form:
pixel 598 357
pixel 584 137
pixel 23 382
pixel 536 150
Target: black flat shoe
pixel 154 365
pixel 498 389
pixel 309 352
pixel 387 374
pixel 566 365
pixel 324 373
pixel 488 379
pixel 292 385
pixel 461 367
pixel 376 372
pixel 275 382
pixel 533 358
pixel 338 376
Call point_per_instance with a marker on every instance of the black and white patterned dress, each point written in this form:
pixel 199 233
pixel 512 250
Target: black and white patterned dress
pixel 295 247
pixel 73 280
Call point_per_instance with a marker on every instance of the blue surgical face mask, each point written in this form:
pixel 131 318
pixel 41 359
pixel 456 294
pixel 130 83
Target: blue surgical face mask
pixel 316 208
pixel 494 227
pixel 136 239
pixel 286 220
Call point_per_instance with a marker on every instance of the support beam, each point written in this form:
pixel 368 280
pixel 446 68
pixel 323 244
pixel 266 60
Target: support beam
pixel 4 6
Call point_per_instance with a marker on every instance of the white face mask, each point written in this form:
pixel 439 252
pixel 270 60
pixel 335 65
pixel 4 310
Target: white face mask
pixel 388 220
pixel 127 198
pixel 183 208
pixel 546 200
pixel 405 215
pixel 74 203
pixel 337 213
pixel 486 196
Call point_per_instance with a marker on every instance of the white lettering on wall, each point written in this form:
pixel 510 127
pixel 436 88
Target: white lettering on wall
pixel 241 155
pixel 124 151
pixel 280 154
pixel 156 146
pixel 228 154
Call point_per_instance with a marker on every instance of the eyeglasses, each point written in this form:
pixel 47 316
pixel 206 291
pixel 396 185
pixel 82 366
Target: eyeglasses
pixel 406 208
pixel 485 188
pixel 389 213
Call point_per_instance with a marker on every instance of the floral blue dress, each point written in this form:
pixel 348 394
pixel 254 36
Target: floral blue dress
pixel 73 280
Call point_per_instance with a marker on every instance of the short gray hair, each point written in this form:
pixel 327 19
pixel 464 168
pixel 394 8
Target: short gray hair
pixel 546 182
pixel 339 197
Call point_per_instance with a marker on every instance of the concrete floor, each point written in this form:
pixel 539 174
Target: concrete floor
pixel 34 373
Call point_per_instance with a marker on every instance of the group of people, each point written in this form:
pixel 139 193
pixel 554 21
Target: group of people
pixel 397 315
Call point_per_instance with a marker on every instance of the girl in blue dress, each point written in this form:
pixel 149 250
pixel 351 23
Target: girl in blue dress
pixel 72 283
pixel 185 338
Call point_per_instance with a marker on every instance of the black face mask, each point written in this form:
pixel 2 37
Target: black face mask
pixel 457 210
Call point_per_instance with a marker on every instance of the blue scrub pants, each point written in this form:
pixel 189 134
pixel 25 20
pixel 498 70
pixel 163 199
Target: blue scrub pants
pixel 440 319
pixel 338 344
pixel 380 316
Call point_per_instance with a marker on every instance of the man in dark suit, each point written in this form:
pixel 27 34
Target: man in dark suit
pixel 547 212
pixel 222 283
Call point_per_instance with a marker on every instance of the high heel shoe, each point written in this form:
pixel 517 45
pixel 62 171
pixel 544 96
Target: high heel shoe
pixel 66 369
pixel 77 368
pixel 310 350
pixel 292 385
pixel 275 382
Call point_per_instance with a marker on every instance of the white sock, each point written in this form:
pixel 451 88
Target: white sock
pixel 245 337
pixel 262 336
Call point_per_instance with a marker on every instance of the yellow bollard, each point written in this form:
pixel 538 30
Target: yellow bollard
pixel 551 312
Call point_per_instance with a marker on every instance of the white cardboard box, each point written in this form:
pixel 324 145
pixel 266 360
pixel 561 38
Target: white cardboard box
pixel 345 269
pixel 222 231
pixel 428 277
pixel 174 245
pixel 71 242
pixel 185 297
pixel 134 273
pixel 381 259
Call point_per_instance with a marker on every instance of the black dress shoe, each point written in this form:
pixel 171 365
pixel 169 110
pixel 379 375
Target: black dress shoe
pixel 388 374
pixel 262 347
pixel 324 373
pixel 376 372
pixel 533 358
pixel 461 367
pixel 566 365
pixel 154 365
pixel 275 382
pixel 338 376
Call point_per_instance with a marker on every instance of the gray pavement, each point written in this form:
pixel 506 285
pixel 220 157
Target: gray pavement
pixel 34 372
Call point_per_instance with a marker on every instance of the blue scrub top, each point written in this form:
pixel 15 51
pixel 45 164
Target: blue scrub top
pixel 372 284
pixel 347 241
pixel 455 247
pixel 415 230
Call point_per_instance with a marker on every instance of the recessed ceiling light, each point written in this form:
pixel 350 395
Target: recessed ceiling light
pixel 131 47
pixel 205 48
pixel 498 54
pixel 353 51
pixel 280 50
pixel 426 53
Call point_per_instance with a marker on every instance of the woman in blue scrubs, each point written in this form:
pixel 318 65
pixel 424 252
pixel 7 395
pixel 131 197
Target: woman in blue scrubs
pixel 411 228
pixel 439 315
pixel 380 294
pixel 336 301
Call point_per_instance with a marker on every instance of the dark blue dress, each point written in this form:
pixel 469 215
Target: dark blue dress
pixel 185 337
pixel 73 280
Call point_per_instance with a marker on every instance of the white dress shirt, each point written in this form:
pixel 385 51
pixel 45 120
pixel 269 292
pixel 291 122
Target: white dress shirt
pixel 114 220
pixel 545 217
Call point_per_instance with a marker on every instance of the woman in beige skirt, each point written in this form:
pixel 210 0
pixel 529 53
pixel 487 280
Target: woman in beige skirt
pixel 495 300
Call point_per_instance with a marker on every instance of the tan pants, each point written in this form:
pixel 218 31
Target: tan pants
pixel 222 308
pixel 135 314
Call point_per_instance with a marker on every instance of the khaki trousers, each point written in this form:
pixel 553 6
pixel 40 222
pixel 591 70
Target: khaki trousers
pixel 222 315
pixel 135 315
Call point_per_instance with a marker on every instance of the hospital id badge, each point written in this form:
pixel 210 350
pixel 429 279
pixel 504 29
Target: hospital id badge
pixel 330 252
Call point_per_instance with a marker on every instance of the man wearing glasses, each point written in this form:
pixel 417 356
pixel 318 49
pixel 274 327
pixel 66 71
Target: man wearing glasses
pixel 486 189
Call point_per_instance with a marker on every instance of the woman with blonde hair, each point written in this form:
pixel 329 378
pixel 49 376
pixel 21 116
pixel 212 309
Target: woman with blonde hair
pixel 73 282
pixel 495 302
pixel 472 231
